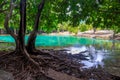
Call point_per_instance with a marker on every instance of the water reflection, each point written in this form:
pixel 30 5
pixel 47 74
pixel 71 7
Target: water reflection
pixel 89 56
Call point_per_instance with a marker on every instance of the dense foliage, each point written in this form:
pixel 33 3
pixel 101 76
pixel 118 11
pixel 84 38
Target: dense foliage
pixel 104 14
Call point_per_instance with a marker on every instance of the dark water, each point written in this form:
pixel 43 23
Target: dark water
pixel 88 51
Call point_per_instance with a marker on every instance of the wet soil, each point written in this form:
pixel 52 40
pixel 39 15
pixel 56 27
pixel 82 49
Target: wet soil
pixel 52 69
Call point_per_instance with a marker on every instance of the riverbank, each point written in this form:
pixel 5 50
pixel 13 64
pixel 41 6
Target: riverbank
pixel 103 34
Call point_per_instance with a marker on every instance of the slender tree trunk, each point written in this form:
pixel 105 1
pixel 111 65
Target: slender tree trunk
pixel 32 37
pixel 114 35
pixel 0 31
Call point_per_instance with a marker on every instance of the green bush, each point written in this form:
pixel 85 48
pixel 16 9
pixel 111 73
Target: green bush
pixel 73 29
pixel 85 27
pixel 65 26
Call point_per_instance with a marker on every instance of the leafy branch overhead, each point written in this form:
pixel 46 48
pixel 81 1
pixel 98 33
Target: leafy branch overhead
pixel 100 13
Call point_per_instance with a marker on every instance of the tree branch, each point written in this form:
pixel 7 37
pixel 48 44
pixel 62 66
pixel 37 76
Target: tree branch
pixel 40 8
pixel 6 23
pixel 3 11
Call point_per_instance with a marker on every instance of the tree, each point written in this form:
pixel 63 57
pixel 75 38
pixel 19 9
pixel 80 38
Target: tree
pixel 21 48
pixel 19 38
pixel 31 40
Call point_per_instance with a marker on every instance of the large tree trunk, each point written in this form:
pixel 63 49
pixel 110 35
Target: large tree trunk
pixel 19 38
pixel 21 34
pixel 20 41
pixel 32 37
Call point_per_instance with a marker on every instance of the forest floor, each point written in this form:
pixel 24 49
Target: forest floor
pixel 54 69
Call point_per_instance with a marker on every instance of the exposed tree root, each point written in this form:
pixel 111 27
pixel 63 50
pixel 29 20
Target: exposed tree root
pixel 27 65
pixel 52 61
pixel 7 53
pixel 32 60
pixel 23 68
pixel 47 54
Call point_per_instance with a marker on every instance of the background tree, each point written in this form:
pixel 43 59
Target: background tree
pixel 105 14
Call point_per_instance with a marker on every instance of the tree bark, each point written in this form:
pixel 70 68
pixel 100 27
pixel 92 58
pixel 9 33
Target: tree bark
pixel 32 37
pixel 20 43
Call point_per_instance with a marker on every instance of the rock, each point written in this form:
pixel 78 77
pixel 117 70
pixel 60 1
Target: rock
pixel 6 75
pixel 104 34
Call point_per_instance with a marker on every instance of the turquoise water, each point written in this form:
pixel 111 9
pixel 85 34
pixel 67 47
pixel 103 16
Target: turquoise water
pixel 46 40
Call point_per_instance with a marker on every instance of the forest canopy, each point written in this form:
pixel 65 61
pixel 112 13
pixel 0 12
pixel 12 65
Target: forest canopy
pixel 104 14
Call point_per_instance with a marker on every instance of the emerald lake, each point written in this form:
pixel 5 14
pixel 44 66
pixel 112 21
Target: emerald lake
pixel 60 41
